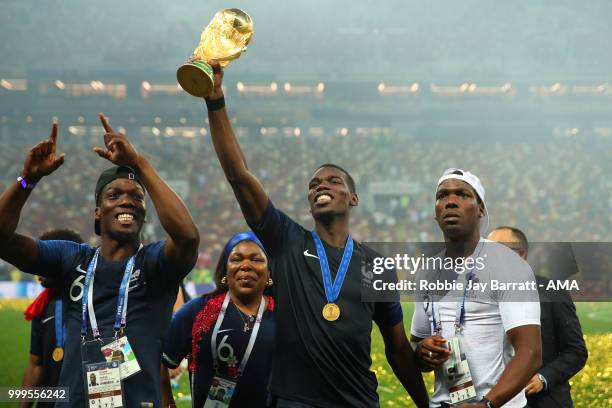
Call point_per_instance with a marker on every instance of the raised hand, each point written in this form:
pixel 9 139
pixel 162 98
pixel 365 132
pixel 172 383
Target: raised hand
pixel 217 91
pixel 118 149
pixel 42 159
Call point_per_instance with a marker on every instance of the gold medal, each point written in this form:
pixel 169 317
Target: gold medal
pixel 58 354
pixel 331 312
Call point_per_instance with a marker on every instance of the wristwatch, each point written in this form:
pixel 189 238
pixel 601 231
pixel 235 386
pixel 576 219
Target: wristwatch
pixel 487 403
pixel 544 382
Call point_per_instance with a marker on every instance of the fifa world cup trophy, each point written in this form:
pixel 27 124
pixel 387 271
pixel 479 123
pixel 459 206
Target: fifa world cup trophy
pixel 224 39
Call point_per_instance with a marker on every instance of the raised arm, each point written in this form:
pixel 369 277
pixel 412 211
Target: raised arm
pixel 41 161
pixel 181 247
pixel 248 190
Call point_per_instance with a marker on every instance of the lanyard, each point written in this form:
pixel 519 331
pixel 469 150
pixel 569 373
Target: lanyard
pixel 122 300
pixel 251 344
pixel 332 291
pixel 459 311
pixel 460 306
pixel 59 328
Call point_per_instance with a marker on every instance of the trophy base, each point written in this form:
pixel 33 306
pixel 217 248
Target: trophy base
pixel 196 78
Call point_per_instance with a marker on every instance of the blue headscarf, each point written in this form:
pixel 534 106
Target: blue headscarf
pixel 238 238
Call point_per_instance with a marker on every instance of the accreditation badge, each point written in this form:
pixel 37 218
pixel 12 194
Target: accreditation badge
pixel 457 372
pixel 120 350
pixel 220 393
pixel 103 384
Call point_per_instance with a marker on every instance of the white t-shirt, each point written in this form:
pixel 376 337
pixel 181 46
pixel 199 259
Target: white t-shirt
pixel 487 319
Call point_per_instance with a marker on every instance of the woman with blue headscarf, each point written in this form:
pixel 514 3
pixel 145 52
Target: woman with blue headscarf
pixel 228 335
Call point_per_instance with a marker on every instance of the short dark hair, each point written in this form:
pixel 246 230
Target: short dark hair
pixel 62 235
pixel 518 234
pixel 349 179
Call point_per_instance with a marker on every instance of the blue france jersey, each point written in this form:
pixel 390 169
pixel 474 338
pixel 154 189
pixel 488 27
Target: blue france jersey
pixel 152 292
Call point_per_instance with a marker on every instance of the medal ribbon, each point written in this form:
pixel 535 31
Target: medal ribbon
pixel 332 291
pixel 122 300
pixel 59 328
pixel 251 344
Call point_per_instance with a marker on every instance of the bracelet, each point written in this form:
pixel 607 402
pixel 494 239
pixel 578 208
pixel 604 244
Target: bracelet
pixel 215 104
pixel 24 183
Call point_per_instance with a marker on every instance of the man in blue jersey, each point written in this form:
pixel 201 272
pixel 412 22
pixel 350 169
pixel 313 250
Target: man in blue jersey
pixel 323 337
pixel 96 282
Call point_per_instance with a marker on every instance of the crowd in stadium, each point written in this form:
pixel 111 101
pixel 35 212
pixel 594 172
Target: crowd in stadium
pixel 555 191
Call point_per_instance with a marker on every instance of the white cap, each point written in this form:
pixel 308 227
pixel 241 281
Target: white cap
pixel 474 182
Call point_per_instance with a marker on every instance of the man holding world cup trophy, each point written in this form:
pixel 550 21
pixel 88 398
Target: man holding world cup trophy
pixel 322 356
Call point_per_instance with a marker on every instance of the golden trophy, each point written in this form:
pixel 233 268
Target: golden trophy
pixel 224 39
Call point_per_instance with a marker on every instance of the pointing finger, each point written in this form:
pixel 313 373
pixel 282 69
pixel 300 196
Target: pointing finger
pixel 105 124
pixel 53 137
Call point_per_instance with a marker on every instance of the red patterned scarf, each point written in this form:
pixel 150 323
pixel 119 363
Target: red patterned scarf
pixel 205 320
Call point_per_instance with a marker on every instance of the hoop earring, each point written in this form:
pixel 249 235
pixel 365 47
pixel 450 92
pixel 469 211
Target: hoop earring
pixel 270 282
pixel 224 280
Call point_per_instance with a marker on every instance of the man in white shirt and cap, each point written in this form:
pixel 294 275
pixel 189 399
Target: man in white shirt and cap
pixel 483 342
